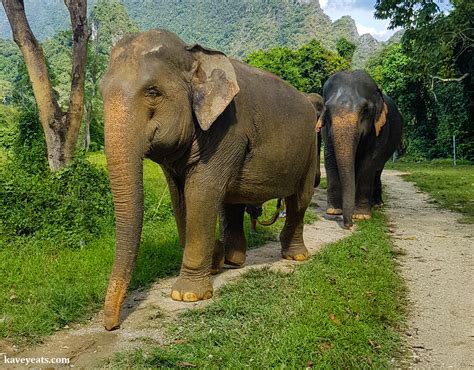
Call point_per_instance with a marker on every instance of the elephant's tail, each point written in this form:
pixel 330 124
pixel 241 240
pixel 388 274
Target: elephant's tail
pixel 275 216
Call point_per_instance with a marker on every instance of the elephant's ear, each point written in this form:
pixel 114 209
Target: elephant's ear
pixel 214 84
pixel 320 122
pixel 380 122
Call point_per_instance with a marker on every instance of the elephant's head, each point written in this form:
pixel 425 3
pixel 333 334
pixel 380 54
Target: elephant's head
pixel 318 103
pixel 158 93
pixel 354 109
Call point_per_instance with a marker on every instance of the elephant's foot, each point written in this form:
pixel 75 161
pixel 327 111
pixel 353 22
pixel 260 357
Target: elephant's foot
pixel 235 248
pixel 217 258
pixel 295 253
pixel 235 257
pixel 361 216
pixel 334 211
pixel 188 290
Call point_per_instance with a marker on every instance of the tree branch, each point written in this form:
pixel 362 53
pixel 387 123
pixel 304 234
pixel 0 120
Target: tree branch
pixel 450 79
pixel 33 55
pixel 78 14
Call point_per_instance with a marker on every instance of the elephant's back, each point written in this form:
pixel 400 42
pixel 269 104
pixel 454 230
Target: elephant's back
pixel 274 99
pixel 280 126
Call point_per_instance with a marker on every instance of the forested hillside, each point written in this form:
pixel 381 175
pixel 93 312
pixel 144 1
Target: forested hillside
pixel 236 27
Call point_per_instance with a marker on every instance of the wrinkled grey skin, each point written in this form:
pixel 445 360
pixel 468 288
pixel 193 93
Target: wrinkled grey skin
pixel 224 133
pixel 362 128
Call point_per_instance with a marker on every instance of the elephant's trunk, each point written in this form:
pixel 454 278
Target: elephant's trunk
pixel 345 134
pixel 125 168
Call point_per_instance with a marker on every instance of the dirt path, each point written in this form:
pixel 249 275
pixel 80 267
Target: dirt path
pixel 148 312
pixel 437 262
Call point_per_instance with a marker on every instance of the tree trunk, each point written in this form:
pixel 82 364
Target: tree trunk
pixel 86 132
pixel 61 129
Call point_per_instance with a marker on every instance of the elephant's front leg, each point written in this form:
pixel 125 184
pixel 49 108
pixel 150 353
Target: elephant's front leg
pixel 364 190
pixel 334 189
pixel 202 203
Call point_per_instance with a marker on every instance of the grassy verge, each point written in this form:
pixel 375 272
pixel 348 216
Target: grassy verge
pixel 46 285
pixel 339 310
pixel 451 187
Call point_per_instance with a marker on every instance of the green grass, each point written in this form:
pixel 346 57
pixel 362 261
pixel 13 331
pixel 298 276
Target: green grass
pixel 451 187
pixel 340 310
pixel 45 285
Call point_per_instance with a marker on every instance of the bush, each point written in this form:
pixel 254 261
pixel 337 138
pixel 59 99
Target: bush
pixel 70 205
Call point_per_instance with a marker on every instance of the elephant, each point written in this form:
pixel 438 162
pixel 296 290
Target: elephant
pixel 225 134
pixel 361 129
pixel 256 211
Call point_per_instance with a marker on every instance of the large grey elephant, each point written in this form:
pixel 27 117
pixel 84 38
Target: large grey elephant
pixel 361 129
pixel 225 134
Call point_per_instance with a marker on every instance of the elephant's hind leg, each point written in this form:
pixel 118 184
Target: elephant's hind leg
pixel 232 234
pixel 291 237
pixel 377 200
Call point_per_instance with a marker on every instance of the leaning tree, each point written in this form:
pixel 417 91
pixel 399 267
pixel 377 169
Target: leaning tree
pixel 61 128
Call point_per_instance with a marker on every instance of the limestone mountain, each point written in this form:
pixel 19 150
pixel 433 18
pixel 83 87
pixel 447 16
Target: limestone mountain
pixel 367 46
pixel 235 26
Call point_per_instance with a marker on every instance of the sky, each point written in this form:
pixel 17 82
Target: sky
pixel 362 11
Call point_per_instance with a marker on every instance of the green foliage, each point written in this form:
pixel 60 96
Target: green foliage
pixel 236 27
pixel 9 61
pixel 70 206
pixel 109 22
pixel 9 117
pixel 345 49
pixel 392 70
pixel 340 309
pixel 440 49
pixel 453 119
pixel 305 68
pixel 58 52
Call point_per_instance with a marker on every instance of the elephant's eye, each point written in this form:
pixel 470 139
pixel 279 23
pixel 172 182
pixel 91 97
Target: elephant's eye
pixel 365 110
pixel 152 92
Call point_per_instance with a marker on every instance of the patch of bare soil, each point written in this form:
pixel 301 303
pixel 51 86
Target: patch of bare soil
pixel 148 312
pixel 436 257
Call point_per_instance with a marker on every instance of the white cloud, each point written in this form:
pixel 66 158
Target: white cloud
pixel 380 34
pixel 341 4
pixel 363 14
pixel 323 4
pixel 363 29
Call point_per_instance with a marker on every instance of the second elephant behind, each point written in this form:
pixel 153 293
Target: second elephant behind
pixel 361 129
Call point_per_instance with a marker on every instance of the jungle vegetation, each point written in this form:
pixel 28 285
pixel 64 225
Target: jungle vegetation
pixel 52 220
